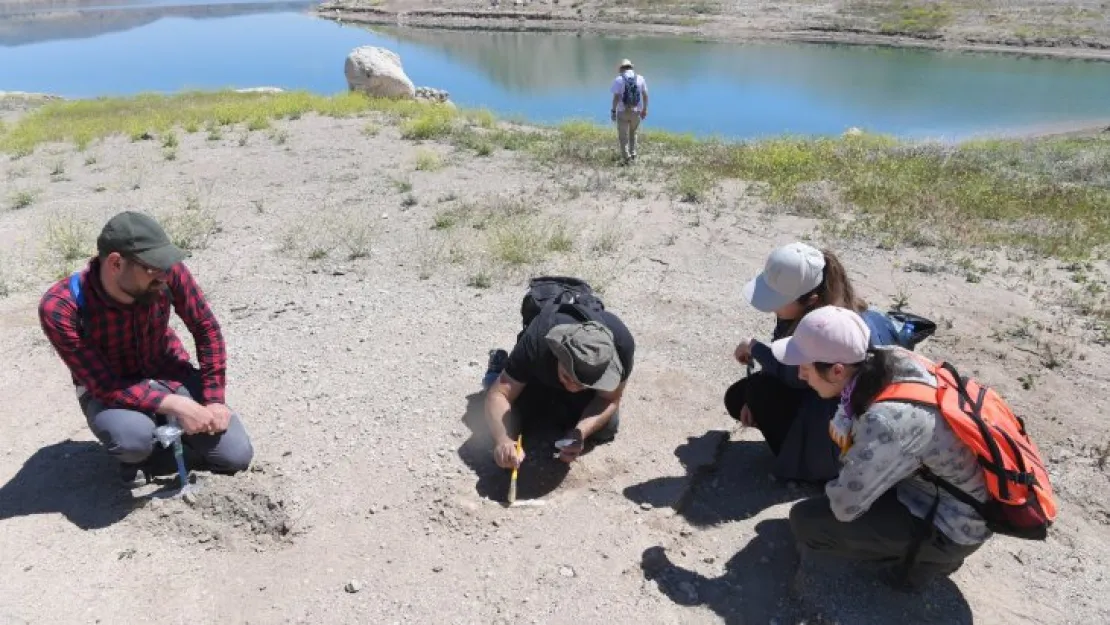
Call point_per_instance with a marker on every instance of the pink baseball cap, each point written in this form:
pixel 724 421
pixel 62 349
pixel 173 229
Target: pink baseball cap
pixel 829 334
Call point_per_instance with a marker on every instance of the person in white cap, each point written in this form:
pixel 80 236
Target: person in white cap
pixel 629 105
pixel 878 505
pixel 797 278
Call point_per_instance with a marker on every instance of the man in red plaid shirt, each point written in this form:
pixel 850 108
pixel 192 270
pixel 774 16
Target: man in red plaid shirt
pixel 109 323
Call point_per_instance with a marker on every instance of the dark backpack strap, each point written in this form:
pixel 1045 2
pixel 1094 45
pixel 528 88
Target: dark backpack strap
pixel 958 493
pixel 578 311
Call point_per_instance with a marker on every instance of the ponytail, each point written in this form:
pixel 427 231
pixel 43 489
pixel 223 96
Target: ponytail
pixel 835 289
pixel 875 373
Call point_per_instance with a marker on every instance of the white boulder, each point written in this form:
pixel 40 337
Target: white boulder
pixel 377 72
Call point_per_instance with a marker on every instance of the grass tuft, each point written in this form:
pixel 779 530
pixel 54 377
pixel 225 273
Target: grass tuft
pixel 434 123
pixel 22 199
pixel 66 244
pixel 426 160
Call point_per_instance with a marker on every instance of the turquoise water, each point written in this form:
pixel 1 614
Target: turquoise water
pixel 731 90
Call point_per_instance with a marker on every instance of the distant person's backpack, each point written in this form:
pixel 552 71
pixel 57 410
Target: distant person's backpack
pixel 631 95
pixel 1021 502
pixel 573 295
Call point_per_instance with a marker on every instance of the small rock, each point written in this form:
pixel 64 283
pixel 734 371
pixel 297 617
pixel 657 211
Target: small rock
pixel 373 510
pixel 437 569
pixel 189 498
pixel 709 559
pixel 566 571
pixel 353 586
pixel 645 506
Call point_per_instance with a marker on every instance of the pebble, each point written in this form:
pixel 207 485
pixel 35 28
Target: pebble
pixel 373 510
pixel 189 498
pixel 437 569
pixel 353 586
pixel 645 506
pixel 566 571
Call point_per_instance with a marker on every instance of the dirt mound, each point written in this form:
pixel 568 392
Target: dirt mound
pixel 226 512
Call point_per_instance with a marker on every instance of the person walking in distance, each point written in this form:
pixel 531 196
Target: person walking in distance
pixel 629 106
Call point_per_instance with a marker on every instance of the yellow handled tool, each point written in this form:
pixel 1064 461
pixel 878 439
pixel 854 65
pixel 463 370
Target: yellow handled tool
pixel 512 481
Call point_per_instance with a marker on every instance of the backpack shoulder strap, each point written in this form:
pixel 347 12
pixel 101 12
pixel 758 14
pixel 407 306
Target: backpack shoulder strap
pixel 78 299
pixel 75 288
pixel 577 311
pixel 918 393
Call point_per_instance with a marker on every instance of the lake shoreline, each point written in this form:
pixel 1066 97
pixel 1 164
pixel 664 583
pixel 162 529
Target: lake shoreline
pixel 714 28
pixel 14 103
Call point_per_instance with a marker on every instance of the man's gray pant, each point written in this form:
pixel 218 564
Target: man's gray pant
pixel 879 536
pixel 129 434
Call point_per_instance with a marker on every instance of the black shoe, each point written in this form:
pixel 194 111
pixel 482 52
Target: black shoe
pixel 129 474
pixel 494 366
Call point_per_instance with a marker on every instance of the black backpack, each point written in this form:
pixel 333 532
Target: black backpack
pixel 910 329
pixel 571 295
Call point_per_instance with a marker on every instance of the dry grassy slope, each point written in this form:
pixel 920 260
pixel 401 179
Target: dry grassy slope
pixel 354 375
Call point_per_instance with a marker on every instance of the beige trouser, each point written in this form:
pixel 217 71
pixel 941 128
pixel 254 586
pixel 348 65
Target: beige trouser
pixel 628 122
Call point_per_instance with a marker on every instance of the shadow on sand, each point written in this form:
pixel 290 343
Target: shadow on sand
pixel 77 479
pixel 725 481
pixel 538 476
pixel 760 584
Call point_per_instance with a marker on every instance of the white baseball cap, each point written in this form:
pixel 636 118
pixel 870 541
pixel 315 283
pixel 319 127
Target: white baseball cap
pixel 829 334
pixel 790 272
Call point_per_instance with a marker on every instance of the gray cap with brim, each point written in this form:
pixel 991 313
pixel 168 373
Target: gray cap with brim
pixel 138 235
pixel 587 352
pixel 762 297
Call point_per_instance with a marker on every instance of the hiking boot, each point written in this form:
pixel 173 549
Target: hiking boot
pixel 496 364
pixel 129 474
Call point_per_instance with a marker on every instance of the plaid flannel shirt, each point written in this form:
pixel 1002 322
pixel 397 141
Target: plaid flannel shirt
pixel 122 346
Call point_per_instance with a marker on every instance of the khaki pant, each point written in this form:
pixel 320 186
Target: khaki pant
pixel 628 122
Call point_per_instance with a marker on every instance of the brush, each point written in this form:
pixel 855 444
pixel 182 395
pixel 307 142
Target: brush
pixel 512 481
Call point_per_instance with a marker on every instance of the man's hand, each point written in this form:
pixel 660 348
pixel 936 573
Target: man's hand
pixel 643 114
pixel 221 415
pixel 193 418
pixel 570 453
pixel 744 352
pixel 746 416
pixel 505 454
pixel 612 115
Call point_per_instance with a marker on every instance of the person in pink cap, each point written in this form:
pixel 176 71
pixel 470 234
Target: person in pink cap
pixel 878 506
pixel 796 279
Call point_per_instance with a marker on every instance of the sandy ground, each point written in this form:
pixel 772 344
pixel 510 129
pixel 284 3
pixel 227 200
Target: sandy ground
pixel 1031 27
pixel 355 377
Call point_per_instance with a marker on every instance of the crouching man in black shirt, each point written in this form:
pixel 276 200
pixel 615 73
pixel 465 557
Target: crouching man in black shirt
pixel 568 370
